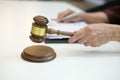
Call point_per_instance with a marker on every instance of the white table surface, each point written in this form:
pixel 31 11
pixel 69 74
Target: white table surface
pixel 73 61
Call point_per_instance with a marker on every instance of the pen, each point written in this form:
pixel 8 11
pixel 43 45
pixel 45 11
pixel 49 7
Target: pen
pixel 68 17
pixel 71 16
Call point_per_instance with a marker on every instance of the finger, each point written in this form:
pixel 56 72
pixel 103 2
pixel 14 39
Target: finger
pixel 61 15
pixel 83 39
pixel 77 35
pixel 95 43
pixel 87 39
pixel 74 19
pixel 87 43
pixel 91 39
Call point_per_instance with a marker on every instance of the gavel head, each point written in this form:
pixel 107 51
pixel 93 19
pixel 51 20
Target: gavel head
pixel 39 29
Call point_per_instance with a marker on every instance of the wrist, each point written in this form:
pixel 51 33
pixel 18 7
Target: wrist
pixel 116 33
pixel 95 17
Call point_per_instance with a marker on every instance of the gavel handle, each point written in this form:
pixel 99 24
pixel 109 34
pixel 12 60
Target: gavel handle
pixel 58 32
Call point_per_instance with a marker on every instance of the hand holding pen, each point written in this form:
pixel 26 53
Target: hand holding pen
pixel 71 16
pixel 68 16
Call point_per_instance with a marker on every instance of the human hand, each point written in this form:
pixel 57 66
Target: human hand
pixel 95 17
pixel 63 14
pixel 96 34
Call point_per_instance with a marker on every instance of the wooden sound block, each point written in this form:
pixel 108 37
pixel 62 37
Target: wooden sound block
pixel 38 53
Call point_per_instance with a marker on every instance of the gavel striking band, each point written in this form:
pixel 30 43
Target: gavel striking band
pixel 39 30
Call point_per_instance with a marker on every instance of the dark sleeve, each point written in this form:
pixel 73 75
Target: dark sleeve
pixel 113 14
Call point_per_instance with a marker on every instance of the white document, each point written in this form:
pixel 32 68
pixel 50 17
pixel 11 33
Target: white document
pixel 69 27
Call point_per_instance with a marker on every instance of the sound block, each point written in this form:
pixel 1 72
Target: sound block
pixel 38 53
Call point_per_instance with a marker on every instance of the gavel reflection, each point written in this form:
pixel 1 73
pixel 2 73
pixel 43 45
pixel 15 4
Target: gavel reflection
pixel 40 29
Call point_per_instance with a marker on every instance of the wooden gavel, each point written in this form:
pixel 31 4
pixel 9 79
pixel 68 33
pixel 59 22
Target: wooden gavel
pixel 40 29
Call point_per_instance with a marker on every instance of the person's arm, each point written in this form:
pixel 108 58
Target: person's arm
pixel 96 34
pixel 113 14
pixel 110 15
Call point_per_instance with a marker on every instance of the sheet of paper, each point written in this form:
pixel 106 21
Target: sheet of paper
pixel 70 27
